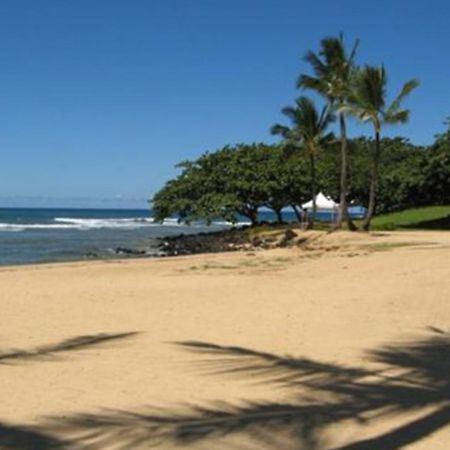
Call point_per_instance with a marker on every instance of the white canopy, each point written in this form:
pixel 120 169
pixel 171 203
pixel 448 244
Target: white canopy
pixel 323 203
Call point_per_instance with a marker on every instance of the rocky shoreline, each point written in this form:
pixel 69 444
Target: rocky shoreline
pixel 235 239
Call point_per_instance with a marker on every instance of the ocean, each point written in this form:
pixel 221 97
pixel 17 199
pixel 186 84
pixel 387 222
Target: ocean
pixel 32 235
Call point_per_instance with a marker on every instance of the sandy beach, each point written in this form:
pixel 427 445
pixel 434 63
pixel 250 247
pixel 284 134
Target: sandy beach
pixel 124 354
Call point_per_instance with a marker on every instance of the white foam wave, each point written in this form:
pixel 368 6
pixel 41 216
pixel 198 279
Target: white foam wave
pixel 127 223
pixel 230 224
pixel 103 223
pixel 10 227
pixel 74 223
pixel 31 226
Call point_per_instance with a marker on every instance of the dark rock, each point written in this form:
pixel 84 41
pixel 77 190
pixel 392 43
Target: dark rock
pixel 220 241
pixel 290 234
pixel 129 251
pixel 235 239
pixel 287 238
pixel 257 242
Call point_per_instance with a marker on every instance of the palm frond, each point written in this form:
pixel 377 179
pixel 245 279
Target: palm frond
pixel 333 70
pixel 371 87
pixel 309 125
pixel 333 51
pixel 319 67
pixel 401 116
pixel 309 82
pixel 326 117
pixel 290 112
pixel 281 130
pixel 407 88
pixel 351 58
pixel 366 101
pixel 359 111
pixel 306 107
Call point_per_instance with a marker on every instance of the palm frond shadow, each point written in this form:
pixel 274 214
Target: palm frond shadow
pixel 51 351
pixel 14 437
pixel 19 437
pixel 413 377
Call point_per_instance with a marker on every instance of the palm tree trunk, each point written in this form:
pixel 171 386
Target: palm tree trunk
pixel 373 182
pixel 343 212
pixel 312 160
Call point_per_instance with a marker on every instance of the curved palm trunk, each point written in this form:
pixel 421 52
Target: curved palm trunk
pixel 343 212
pixel 373 182
pixel 312 217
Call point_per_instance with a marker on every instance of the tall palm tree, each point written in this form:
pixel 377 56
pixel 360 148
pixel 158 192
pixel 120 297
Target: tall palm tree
pixel 334 71
pixel 308 132
pixel 368 103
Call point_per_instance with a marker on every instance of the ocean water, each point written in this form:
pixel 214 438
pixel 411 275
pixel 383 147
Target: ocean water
pixel 50 235
pixel 31 235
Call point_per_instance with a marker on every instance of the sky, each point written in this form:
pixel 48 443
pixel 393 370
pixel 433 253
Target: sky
pixel 99 99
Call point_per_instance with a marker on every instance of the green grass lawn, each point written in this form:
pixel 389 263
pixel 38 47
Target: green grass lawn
pixel 427 218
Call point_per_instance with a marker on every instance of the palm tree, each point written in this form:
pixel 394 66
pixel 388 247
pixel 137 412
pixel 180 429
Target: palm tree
pixel 368 103
pixel 333 75
pixel 308 132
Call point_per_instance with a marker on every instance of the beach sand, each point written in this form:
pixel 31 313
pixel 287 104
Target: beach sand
pixel 300 311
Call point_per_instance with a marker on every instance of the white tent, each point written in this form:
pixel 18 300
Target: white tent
pixel 323 204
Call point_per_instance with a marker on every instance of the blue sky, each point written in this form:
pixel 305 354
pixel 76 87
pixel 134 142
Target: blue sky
pixel 99 99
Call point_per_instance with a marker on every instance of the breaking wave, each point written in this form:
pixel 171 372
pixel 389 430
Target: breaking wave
pixel 72 223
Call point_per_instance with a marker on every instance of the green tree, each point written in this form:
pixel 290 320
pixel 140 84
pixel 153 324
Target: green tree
pixel 367 102
pixel 435 186
pixel 405 173
pixel 193 195
pixel 333 77
pixel 308 132
pixel 233 181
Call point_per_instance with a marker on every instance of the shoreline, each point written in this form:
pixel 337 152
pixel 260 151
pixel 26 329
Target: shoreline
pixel 359 237
pixel 203 242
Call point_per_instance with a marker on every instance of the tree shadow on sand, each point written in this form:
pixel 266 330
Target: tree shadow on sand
pixel 27 438
pixel 412 377
pixel 51 351
pixel 18 437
